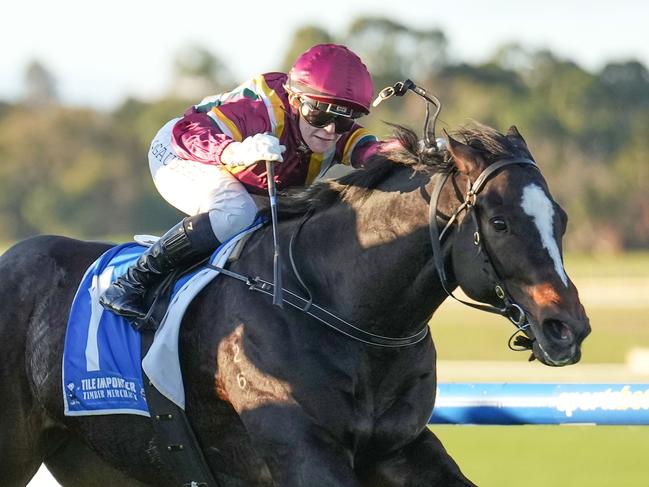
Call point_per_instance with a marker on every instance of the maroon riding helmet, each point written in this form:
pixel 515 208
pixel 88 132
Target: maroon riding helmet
pixel 332 74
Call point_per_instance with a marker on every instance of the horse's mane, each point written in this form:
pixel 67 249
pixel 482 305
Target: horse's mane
pixel 492 144
pixel 403 150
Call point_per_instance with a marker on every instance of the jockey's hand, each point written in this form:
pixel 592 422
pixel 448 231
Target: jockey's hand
pixel 254 149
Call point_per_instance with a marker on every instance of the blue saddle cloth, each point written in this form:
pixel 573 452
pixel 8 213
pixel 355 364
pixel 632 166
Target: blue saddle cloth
pixel 102 362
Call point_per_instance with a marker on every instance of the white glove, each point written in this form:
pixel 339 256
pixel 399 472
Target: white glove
pixel 259 147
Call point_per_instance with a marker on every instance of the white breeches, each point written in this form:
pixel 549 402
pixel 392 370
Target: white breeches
pixel 194 187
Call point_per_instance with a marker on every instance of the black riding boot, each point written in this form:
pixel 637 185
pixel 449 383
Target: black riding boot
pixel 189 242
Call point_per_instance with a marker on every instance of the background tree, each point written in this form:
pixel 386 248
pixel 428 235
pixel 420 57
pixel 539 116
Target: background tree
pixel 302 39
pixel 40 86
pixel 84 173
pixel 197 73
pixel 393 51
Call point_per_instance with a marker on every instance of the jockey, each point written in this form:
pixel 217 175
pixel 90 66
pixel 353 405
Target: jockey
pixel 206 163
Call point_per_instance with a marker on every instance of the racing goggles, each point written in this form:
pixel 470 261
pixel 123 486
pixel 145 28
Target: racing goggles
pixel 319 114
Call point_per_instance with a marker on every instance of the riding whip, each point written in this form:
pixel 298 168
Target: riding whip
pixel 277 267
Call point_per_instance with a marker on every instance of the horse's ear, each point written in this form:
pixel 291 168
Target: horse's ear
pixel 466 159
pixel 516 138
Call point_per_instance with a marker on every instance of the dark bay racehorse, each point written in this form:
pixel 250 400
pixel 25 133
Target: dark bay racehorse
pixel 276 397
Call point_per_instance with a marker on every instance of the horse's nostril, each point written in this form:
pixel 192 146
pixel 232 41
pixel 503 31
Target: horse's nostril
pixel 557 330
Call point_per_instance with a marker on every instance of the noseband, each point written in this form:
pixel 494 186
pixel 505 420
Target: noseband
pixel 510 309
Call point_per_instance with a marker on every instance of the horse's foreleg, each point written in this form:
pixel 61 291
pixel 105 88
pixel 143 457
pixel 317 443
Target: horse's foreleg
pixel 297 453
pixel 422 463
pixel 297 449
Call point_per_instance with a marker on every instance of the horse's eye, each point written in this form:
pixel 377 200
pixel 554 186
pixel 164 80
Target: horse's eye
pixel 499 224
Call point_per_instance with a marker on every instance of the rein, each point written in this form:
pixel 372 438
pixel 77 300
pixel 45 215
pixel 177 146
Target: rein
pixel 321 314
pixel 510 309
pixel 308 307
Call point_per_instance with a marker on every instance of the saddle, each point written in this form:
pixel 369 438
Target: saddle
pixel 157 297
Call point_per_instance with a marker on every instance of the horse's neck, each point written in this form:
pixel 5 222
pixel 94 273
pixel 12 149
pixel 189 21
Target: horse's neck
pixel 370 261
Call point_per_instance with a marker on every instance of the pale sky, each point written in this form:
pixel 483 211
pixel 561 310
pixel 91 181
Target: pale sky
pixel 100 52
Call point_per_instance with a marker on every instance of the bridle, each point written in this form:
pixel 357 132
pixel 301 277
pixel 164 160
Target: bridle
pixel 510 309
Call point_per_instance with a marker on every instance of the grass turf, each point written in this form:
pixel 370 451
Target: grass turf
pixel 462 333
pixel 465 334
pixel 541 456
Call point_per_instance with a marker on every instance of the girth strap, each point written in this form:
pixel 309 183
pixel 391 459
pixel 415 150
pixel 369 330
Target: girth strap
pixel 179 447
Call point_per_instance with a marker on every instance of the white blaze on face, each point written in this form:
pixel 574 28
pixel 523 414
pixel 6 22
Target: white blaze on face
pixel 536 204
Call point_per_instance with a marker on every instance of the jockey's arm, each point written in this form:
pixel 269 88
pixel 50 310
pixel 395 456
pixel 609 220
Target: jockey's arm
pixel 203 136
pixel 356 147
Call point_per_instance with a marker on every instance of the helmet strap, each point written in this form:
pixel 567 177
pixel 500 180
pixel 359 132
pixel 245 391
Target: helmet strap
pixel 293 100
pixel 302 147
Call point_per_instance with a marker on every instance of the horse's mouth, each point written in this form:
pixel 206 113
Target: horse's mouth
pixel 555 343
